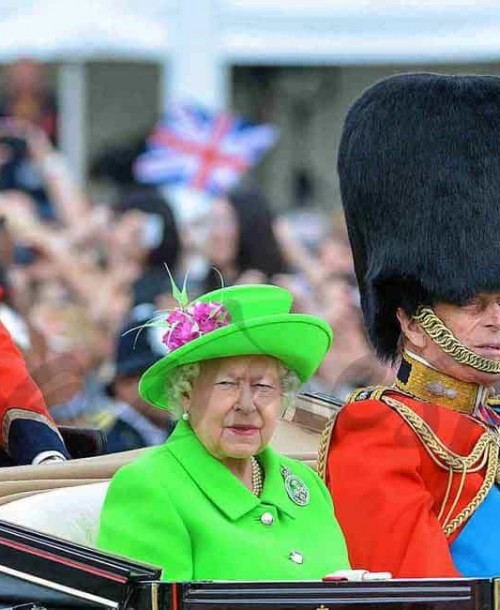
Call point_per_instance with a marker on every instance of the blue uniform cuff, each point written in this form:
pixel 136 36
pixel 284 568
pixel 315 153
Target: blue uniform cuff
pixel 28 438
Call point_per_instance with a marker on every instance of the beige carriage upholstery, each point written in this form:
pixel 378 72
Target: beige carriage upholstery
pixel 65 499
pixel 71 513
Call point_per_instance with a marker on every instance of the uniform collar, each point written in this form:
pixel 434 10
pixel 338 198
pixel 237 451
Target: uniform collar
pixel 219 484
pixel 420 379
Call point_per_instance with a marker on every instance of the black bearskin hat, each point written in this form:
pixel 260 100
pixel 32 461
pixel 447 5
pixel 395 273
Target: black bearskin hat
pixel 419 168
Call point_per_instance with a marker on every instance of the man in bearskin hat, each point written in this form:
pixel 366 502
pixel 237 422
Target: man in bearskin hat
pixel 414 469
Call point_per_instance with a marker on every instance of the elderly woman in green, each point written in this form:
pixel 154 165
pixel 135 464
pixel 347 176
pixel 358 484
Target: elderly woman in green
pixel 216 502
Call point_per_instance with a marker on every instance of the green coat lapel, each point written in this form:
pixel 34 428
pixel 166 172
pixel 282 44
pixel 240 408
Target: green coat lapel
pixel 214 479
pixel 220 485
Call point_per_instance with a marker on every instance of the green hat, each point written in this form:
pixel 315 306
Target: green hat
pixel 260 323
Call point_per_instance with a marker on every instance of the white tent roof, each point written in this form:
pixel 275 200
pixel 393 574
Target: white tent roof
pixel 259 31
pixel 63 29
pixel 361 31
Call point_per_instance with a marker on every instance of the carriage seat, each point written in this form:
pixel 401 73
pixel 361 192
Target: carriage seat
pixel 71 513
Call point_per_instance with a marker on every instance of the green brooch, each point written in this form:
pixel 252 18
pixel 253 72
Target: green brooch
pixel 296 489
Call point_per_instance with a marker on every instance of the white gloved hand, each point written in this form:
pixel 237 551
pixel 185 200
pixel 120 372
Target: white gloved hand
pixel 52 460
pixel 48 457
pixel 357 575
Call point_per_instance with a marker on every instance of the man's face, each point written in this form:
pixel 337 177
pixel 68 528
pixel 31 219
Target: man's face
pixel 476 324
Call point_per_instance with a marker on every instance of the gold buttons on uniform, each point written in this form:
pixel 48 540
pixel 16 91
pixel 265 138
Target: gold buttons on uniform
pixel 296 557
pixel 267 519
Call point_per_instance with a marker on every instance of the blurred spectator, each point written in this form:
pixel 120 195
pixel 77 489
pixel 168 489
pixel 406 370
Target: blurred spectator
pixel 335 257
pixel 331 256
pixel 145 231
pixel 192 209
pixel 30 164
pixel 309 224
pixel 27 96
pixel 133 423
pixel 106 259
pixel 18 325
pixel 115 163
pixel 28 432
pixel 26 100
pixel 324 284
pixel 241 242
pixel 351 363
pixel 75 349
pixel 144 218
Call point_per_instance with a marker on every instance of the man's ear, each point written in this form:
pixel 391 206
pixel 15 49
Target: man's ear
pixel 411 329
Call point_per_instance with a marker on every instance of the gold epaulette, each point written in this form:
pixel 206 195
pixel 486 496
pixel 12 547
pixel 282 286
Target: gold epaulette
pixel 374 392
pixel 484 455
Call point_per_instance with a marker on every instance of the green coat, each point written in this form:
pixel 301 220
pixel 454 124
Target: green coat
pixel 181 509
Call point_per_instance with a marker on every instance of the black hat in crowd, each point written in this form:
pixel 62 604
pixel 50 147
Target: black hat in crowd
pixel 419 167
pixel 137 348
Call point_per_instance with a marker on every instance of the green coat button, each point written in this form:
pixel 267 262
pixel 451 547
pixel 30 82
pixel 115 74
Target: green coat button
pixel 296 557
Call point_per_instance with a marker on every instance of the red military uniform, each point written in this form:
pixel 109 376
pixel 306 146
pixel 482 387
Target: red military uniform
pixel 405 476
pixel 26 428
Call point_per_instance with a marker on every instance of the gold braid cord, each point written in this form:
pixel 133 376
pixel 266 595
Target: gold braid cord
pixel 324 443
pixel 446 340
pixel 483 455
pixel 371 392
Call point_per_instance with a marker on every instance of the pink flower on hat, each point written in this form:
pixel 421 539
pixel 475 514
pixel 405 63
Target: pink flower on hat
pixel 197 320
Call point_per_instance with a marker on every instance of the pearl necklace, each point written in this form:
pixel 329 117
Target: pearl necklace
pixel 257 477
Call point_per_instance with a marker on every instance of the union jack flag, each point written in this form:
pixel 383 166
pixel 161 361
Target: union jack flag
pixel 195 148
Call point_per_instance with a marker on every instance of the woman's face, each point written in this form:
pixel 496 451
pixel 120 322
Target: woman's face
pixel 234 405
pixel 126 235
pixel 223 234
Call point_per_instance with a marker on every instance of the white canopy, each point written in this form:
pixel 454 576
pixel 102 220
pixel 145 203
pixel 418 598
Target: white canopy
pixel 263 31
pixel 79 30
pixel 361 31
pixel 73 32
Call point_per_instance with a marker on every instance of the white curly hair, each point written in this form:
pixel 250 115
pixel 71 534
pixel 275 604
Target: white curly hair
pixel 180 382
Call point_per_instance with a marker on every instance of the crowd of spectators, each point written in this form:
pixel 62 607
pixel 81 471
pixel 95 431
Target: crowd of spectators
pixel 76 274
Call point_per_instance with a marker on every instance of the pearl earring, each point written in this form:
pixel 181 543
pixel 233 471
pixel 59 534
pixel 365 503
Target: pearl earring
pixel 185 416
